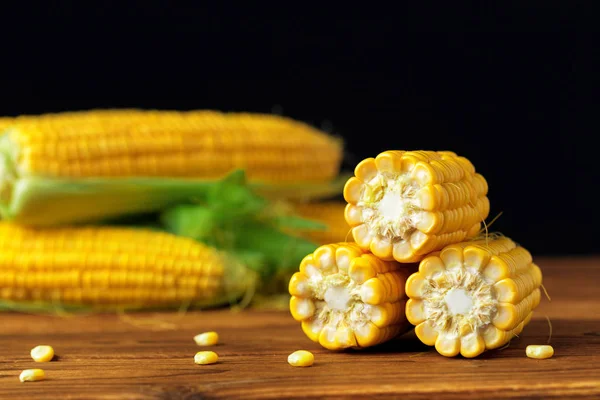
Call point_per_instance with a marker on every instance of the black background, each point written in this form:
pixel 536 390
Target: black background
pixel 513 87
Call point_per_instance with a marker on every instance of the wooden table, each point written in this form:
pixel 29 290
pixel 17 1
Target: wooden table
pixel 150 356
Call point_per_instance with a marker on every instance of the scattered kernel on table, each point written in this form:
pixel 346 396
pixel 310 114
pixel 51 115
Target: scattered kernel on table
pixel 42 353
pixel 301 358
pixel 539 351
pixel 206 357
pixel 207 339
pixel 31 375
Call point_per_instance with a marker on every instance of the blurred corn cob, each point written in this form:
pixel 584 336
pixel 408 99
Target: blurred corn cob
pixel 84 166
pixel 5 122
pixel 403 205
pixel 328 213
pixel 473 296
pixel 112 267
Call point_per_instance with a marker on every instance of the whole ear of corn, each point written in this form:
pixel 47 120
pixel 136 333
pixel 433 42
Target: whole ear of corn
pixel 83 166
pixel 347 298
pixel 473 296
pixel 113 268
pixel 403 205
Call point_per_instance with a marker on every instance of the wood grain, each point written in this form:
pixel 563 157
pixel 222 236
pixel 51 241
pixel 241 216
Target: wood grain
pixel 116 357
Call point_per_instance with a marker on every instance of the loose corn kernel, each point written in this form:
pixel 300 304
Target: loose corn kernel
pixel 31 375
pixel 301 358
pixel 539 351
pixel 206 357
pixel 207 339
pixel 42 353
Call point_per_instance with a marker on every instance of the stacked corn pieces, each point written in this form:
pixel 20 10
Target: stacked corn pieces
pixel 473 296
pixel 348 298
pixel 403 205
pixel 468 295
pixel 113 268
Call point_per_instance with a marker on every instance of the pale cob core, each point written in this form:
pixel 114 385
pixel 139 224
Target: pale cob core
pixel 388 206
pixel 338 301
pixel 346 298
pixel 473 296
pixel 459 300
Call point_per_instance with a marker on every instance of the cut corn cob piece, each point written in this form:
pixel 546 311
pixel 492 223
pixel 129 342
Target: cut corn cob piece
pixel 347 298
pixel 473 296
pixel 113 268
pixel 330 213
pixel 403 205
pixel 82 166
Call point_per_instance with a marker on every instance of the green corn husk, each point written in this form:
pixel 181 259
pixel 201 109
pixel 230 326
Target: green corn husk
pixel 231 217
pixel 234 219
pixel 43 201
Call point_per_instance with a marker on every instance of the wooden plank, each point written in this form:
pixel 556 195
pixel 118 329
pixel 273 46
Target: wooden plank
pixel 150 356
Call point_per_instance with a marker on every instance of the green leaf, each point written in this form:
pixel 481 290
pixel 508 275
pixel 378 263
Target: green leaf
pixel 282 251
pixel 237 177
pixel 297 223
pixel 232 198
pixel 193 221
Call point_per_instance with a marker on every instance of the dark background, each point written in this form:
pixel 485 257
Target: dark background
pixel 514 87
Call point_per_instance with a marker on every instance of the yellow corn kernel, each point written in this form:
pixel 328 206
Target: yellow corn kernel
pixel 473 296
pixel 206 357
pixel 42 353
pixel 301 358
pixel 110 268
pixel 539 352
pixel 32 375
pixel 207 339
pixel 403 205
pixel 345 297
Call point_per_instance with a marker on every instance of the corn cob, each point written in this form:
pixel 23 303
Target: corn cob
pixel 403 205
pixel 330 213
pixel 5 122
pixel 473 296
pixel 174 144
pixel 111 267
pixel 347 298
pixel 83 166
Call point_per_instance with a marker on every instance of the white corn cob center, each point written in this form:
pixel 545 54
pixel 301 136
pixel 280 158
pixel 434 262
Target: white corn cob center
pixel 458 301
pixel 338 301
pixel 389 205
